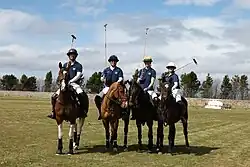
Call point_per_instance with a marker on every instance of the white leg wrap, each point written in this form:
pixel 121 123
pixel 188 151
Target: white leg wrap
pixel 60 132
pixel 71 131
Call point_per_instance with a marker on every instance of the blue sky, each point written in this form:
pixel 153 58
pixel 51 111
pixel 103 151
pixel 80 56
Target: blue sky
pixel 36 34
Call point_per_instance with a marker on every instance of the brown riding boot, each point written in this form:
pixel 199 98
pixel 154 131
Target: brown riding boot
pixel 53 102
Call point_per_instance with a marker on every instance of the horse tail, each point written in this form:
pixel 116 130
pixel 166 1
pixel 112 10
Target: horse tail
pixel 186 104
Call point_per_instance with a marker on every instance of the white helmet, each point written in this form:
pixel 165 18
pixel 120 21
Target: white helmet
pixel 171 64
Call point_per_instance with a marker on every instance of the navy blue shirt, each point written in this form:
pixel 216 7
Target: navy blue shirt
pixel 145 76
pixel 76 67
pixel 171 79
pixel 112 75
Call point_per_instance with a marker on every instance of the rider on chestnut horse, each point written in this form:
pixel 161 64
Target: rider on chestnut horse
pixel 110 75
pixel 75 75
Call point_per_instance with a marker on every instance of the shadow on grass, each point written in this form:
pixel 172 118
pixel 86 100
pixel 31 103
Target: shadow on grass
pixel 178 150
pixel 196 150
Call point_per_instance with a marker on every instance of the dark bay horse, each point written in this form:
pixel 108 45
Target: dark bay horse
pixel 143 110
pixel 66 108
pixel 170 112
pixel 111 111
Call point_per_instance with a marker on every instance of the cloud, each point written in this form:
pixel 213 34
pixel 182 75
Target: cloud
pixel 220 46
pixel 245 4
pixel 87 7
pixel 192 2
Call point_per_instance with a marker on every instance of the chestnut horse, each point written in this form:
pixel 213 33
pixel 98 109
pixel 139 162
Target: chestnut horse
pixel 169 112
pixel 111 108
pixel 66 108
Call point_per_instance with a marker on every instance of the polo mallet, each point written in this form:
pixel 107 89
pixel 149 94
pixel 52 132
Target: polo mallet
pixel 193 61
pixel 73 39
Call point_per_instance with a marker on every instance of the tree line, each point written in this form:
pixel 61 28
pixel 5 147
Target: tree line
pixel 235 87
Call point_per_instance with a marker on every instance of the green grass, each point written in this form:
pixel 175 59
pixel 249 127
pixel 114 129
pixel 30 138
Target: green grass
pixel 29 138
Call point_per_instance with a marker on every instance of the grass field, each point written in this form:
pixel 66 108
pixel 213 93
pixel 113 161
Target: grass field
pixel 29 138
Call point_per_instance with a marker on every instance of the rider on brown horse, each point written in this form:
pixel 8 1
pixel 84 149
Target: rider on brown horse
pixel 110 75
pixel 75 75
pixel 146 78
pixel 174 82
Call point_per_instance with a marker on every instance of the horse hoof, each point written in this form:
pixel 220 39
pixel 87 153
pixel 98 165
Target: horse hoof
pixel 125 149
pixel 75 147
pixel 115 149
pixel 150 151
pixel 70 152
pixel 159 153
pixel 59 152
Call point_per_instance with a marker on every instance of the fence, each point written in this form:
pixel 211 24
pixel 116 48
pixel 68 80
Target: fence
pixel 198 102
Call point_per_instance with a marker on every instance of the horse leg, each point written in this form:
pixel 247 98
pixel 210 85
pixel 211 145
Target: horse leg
pixel 114 128
pixel 79 132
pixel 160 136
pixel 126 123
pixel 71 135
pixel 150 135
pixel 60 134
pixel 138 124
pixel 106 126
pixel 171 137
pixel 75 137
pixel 185 132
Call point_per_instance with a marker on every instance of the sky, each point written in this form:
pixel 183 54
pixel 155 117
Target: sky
pixel 36 35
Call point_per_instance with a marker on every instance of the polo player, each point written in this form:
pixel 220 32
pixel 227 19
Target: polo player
pixel 75 76
pixel 174 82
pixel 110 75
pixel 146 79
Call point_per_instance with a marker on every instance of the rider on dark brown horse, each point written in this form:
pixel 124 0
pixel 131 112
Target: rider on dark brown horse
pixel 75 75
pixel 174 82
pixel 110 75
pixel 146 78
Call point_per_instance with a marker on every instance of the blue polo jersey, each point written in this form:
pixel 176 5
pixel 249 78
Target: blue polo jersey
pixel 76 67
pixel 145 76
pixel 112 75
pixel 171 79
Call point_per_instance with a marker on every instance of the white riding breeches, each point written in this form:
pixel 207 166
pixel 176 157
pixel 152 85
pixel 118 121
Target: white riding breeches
pixel 176 94
pixel 75 86
pixel 152 94
pixel 103 92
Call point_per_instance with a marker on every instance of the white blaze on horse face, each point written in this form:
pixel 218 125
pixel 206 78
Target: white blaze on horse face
pixel 63 84
pixel 60 133
pixel 166 85
pixel 71 131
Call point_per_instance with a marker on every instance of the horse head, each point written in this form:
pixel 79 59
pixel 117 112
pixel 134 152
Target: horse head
pixel 117 94
pixel 63 76
pixel 134 93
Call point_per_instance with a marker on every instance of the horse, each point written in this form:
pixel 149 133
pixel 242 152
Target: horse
pixel 66 108
pixel 111 111
pixel 169 113
pixel 143 110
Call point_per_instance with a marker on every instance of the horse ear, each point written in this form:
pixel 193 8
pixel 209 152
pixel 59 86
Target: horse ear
pixel 69 64
pixel 60 65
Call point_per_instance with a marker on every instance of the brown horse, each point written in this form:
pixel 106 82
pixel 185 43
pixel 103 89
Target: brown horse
pixel 170 112
pixel 112 105
pixel 65 107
